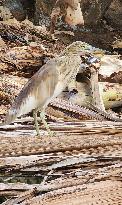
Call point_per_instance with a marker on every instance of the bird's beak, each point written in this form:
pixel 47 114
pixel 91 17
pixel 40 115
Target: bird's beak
pixel 87 61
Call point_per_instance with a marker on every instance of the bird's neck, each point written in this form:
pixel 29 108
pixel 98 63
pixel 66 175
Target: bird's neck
pixel 68 67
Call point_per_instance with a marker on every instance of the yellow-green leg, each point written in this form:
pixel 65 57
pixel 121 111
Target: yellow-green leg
pixel 36 122
pixel 42 116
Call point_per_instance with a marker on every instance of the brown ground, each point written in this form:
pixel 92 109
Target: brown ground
pixel 82 164
pixel 98 193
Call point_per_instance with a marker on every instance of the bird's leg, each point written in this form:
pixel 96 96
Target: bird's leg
pixel 36 122
pixel 42 116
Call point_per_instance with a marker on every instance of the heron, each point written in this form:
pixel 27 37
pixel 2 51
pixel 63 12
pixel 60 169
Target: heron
pixel 46 84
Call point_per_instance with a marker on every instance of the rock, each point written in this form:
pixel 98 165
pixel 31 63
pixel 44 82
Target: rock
pixel 52 10
pixel 94 10
pixel 114 14
pixel 16 8
pixel 111 69
pixel 74 16
pixel 88 12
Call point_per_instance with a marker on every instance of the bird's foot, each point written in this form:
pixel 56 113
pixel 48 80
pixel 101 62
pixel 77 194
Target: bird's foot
pixel 42 116
pixel 51 133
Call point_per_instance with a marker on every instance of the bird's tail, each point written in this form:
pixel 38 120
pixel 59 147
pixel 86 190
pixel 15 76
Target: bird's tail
pixel 21 106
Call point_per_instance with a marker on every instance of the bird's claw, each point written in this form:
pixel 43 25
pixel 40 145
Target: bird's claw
pixel 52 134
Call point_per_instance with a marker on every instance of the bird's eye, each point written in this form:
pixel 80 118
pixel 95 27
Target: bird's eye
pixel 93 60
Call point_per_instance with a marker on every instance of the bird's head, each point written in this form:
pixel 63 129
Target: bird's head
pixel 76 47
pixel 89 55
